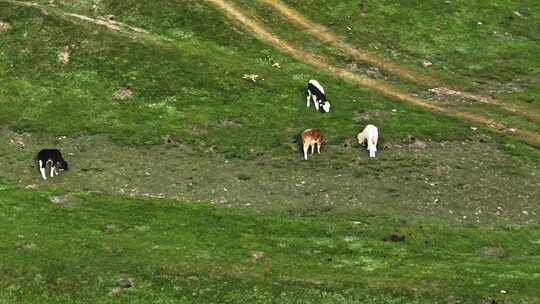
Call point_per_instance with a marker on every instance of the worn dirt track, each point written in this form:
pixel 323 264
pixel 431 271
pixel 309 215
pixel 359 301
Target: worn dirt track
pixel 109 24
pixel 260 31
pixel 320 32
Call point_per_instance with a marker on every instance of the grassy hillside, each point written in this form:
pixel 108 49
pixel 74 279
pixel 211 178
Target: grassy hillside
pixel 526 117
pixel 190 87
pixel 483 46
pixel 103 249
pixel 242 218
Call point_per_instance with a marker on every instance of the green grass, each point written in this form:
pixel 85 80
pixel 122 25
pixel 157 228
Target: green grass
pixel 497 56
pixel 191 89
pixel 466 207
pixel 184 253
pixel 300 38
pixel 187 86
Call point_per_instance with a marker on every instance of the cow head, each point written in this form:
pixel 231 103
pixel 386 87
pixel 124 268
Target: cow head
pixel 63 165
pixel 325 107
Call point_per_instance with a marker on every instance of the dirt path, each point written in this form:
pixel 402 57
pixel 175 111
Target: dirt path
pixel 236 13
pixel 322 33
pixel 109 24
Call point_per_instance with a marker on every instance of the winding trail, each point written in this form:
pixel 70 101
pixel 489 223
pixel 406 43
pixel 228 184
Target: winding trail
pixel 110 24
pixel 321 32
pixel 234 12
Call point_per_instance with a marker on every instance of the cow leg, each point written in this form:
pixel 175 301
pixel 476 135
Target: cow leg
pixel 42 170
pixel 308 99
pixel 306 146
pixel 319 148
pixel 52 171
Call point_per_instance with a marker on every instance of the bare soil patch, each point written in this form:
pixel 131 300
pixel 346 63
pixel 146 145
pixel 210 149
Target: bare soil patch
pixel 64 199
pixel 469 181
pixel 363 115
pixel 106 21
pixel 25 245
pixel 63 55
pixel 123 93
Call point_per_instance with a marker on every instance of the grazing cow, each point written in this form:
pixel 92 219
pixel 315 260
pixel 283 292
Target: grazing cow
pixel 371 135
pixel 310 138
pixel 316 93
pixel 55 158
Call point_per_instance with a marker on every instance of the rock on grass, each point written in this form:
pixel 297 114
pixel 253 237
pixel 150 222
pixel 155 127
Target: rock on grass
pixel 110 228
pixel 494 252
pixel 123 282
pixel 257 255
pixel 64 199
pixel 63 55
pixel 414 143
pixel 4 26
pixel 25 245
pixel 123 93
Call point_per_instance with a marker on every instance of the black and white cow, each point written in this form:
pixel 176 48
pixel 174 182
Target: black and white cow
pixel 316 93
pixel 54 157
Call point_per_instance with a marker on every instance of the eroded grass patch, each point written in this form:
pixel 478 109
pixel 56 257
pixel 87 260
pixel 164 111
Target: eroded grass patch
pixel 470 181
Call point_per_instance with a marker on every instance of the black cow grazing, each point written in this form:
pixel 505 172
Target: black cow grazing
pixel 316 93
pixel 55 158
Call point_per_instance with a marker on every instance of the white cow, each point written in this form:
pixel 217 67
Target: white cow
pixel 371 135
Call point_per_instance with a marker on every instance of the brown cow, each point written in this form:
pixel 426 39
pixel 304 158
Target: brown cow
pixel 310 138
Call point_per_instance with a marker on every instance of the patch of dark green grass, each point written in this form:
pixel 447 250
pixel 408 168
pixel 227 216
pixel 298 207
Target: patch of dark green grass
pixel 244 177
pixel 361 172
